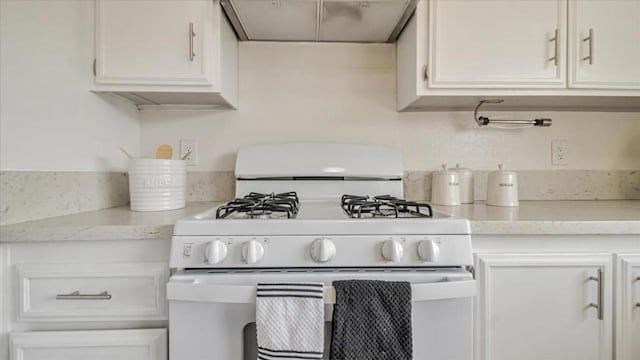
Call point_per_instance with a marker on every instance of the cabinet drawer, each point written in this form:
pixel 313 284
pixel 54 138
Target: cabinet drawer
pixel 91 292
pixel 148 344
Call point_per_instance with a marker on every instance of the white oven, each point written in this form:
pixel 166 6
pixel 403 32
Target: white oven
pixel 309 213
pixel 212 312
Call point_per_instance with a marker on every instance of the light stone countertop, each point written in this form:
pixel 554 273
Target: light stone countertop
pixel 619 217
pixel 118 223
pixel 603 217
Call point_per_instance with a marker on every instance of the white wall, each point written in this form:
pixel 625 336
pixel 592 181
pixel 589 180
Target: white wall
pixel 49 120
pixel 346 93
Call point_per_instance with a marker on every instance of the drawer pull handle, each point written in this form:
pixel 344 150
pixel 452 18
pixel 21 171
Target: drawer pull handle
pixel 77 296
pixel 556 45
pixel 590 40
pixel 192 34
pixel 599 304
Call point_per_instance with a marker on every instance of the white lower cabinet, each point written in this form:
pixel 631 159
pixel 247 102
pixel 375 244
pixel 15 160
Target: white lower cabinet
pixel 84 300
pixel 546 306
pixel 148 344
pixel 628 306
pixel 91 292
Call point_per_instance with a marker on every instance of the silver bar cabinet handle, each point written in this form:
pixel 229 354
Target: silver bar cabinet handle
pixel 637 279
pixel 600 302
pixel 590 40
pixel 77 296
pixel 556 48
pixel 192 34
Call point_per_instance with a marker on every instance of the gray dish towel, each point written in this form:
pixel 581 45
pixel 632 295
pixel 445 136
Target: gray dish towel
pixel 372 320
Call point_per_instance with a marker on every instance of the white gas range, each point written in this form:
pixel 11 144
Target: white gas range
pixel 313 212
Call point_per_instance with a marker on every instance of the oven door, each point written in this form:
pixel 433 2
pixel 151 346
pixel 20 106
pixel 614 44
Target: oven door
pixel 212 313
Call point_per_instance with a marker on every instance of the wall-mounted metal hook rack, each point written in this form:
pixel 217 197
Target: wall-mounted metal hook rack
pixel 485 121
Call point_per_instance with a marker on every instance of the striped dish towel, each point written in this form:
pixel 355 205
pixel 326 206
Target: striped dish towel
pixel 290 321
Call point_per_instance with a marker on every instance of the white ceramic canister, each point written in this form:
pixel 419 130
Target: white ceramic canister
pixel 466 184
pixel 156 184
pixel 445 187
pixel 502 188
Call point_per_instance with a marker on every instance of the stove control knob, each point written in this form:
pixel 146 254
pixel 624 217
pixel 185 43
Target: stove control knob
pixel 392 251
pixel 323 250
pixel 215 252
pixel 252 252
pixel 428 251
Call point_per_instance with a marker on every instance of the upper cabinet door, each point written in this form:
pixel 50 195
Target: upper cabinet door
pixel 142 42
pixel 497 43
pixel 604 44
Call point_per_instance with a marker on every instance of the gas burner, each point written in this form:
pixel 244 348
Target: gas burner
pixel 383 206
pixel 262 206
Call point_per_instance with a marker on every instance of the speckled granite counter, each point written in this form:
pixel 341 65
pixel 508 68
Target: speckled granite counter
pixel 530 218
pixel 605 217
pixel 119 223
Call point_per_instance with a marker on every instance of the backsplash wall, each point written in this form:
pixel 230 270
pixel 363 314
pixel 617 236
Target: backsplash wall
pixel 298 92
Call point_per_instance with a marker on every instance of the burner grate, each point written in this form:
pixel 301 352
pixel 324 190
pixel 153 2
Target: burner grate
pixel 357 206
pixel 262 206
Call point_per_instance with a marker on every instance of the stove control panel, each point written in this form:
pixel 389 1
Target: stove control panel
pixel 323 251
pixel 392 251
pixel 215 252
pixel 429 250
pixel 252 252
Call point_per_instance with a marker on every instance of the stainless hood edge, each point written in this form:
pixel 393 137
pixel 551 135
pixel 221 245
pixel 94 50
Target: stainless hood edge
pixel 371 23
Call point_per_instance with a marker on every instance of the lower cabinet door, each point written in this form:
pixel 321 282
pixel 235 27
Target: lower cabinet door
pixel 150 344
pixel 628 307
pixel 544 307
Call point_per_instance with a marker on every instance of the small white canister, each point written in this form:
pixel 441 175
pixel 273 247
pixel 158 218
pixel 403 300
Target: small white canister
pixel 156 184
pixel 445 187
pixel 466 184
pixel 502 188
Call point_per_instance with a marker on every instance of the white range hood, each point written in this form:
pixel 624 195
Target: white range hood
pixel 372 21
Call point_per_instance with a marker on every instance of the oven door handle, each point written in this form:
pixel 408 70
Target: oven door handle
pixel 246 294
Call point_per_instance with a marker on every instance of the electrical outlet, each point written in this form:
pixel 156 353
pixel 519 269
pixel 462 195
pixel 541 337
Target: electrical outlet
pixel 187 145
pixel 559 152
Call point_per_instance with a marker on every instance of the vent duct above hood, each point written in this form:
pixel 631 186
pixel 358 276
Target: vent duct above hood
pixel 372 21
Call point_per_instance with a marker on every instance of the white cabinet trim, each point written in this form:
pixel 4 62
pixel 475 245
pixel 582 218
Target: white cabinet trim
pixel 155 340
pixel 487 261
pixel 625 303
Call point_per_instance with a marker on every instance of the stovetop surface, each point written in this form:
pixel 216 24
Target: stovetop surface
pixel 288 206
pixel 331 216
pixel 314 210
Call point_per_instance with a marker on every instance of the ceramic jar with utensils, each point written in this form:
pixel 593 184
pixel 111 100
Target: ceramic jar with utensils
pixel 445 187
pixel 157 184
pixel 502 188
pixel 466 184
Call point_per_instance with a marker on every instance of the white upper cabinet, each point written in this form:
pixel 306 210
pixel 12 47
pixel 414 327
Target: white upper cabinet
pixel 165 52
pixel 604 44
pixel 146 44
pixel 497 43
pixel 530 53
